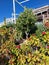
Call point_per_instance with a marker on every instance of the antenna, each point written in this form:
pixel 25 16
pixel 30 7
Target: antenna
pixel 14 10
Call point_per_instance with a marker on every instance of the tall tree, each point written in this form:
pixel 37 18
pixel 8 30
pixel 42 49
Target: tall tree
pixel 26 22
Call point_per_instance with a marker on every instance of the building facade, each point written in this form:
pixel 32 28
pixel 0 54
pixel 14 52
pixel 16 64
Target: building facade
pixel 42 13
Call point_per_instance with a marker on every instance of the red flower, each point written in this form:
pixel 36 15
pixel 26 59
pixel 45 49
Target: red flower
pixel 43 33
pixel 18 46
pixel 47 46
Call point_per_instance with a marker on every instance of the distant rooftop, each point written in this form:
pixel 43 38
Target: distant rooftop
pixel 41 9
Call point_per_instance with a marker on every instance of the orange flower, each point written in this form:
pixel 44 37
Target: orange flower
pixel 47 24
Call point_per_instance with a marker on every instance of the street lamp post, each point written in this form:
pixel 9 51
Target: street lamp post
pixel 14 10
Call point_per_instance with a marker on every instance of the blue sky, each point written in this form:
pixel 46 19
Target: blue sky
pixel 6 7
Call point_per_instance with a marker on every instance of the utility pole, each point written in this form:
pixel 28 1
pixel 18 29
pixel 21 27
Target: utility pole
pixel 14 15
pixel 14 10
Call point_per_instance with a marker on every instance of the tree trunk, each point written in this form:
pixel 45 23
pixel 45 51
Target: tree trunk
pixel 26 35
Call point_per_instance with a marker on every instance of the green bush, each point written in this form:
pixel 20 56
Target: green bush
pixel 40 28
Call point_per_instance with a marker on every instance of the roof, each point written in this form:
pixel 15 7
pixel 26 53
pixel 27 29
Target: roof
pixel 41 9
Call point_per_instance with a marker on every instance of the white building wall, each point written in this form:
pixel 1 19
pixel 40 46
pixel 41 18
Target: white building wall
pixel 9 20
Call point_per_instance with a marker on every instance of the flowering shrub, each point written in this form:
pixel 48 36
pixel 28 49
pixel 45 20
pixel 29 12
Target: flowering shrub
pixel 33 51
pixel 45 38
